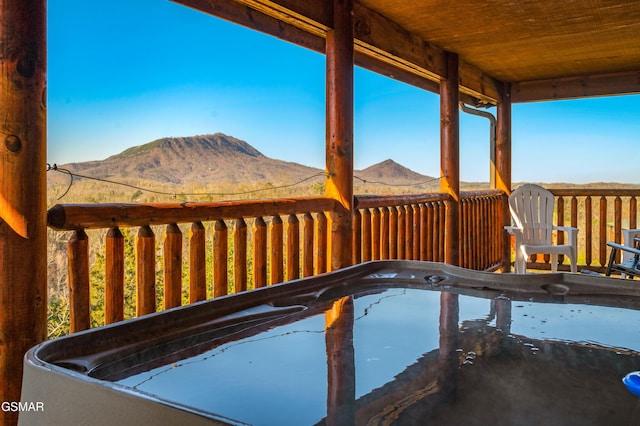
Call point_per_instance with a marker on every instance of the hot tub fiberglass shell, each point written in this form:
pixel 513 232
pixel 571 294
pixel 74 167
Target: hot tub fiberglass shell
pixel 389 342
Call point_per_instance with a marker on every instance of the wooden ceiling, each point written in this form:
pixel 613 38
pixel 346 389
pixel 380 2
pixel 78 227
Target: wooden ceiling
pixel 546 49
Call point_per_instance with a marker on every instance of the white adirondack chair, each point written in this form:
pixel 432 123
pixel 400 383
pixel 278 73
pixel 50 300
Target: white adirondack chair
pixel 532 213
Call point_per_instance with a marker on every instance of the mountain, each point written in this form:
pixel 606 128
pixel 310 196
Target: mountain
pixel 204 159
pixel 217 158
pixel 391 173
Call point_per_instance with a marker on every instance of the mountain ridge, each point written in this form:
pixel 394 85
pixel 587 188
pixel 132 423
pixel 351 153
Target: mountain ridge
pixel 220 158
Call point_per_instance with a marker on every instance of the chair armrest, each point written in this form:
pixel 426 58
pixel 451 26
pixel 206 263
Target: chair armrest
pixel 617 246
pixel 566 228
pixel 512 229
pixel 572 233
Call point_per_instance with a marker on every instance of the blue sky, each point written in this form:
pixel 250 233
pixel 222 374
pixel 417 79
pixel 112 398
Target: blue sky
pixel 124 73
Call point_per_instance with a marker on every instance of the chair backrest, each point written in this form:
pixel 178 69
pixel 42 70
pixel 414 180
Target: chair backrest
pixel 532 210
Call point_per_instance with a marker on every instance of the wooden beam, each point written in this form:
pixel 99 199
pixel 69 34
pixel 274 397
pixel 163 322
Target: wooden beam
pixel 23 250
pixel 339 137
pixel 577 87
pixel 450 158
pixel 271 18
pixel 381 45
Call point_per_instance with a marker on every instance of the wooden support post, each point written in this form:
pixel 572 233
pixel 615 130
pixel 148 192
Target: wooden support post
pixel 503 167
pixel 23 232
pixel 450 157
pixel 339 137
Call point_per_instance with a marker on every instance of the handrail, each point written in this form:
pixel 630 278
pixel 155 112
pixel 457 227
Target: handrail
pixel 91 216
pixel 371 201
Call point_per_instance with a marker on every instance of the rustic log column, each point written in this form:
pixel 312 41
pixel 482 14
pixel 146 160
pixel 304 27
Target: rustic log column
pixel 339 137
pixel 503 167
pixel 23 252
pixel 450 158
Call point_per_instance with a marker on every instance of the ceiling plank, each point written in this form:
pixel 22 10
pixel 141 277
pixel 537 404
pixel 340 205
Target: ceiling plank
pixel 576 87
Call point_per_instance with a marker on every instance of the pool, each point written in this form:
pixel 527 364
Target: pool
pixel 388 342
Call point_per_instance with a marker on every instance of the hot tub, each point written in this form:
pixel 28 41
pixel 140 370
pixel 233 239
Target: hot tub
pixel 388 342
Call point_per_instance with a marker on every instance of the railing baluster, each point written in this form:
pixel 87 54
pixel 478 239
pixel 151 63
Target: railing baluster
pixel 408 232
pixel 321 232
pixel 617 224
pixel 146 271
pixel 220 259
pixel 633 212
pixel 366 235
pixel 293 247
pixel 415 235
pixel 384 233
pixel 78 280
pixel 277 268
pixel 357 236
pixel 197 263
pixel 393 232
pixel 480 245
pixel 259 253
pixel 465 233
pixel 114 277
pixel 307 245
pixel 603 231
pixel 240 256
pixel 375 233
pixel 424 231
pixel 402 232
pixel 588 230
pixel 574 211
pixel 172 266
pixel 442 211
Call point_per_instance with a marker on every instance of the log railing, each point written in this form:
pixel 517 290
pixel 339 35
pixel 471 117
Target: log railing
pixel 481 229
pixel 399 227
pixel 413 226
pixel 211 249
pixel 275 247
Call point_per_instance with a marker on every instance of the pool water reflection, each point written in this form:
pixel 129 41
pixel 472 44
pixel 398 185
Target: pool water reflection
pixel 401 355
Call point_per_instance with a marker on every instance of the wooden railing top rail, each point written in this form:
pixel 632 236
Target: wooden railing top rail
pixel 481 193
pixel 371 201
pixel 595 192
pixel 86 216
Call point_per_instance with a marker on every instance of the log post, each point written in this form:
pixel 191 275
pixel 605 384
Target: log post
pixel 503 167
pixel 450 157
pixel 23 233
pixel 339 137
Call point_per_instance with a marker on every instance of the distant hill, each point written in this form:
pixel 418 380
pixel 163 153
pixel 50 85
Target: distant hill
pixel 390 172
pixel 217 158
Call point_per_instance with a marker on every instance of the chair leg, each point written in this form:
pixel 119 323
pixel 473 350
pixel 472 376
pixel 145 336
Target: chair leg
pixel 521 263
pixel 554 262
pixel 574 263
pixel 612 259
